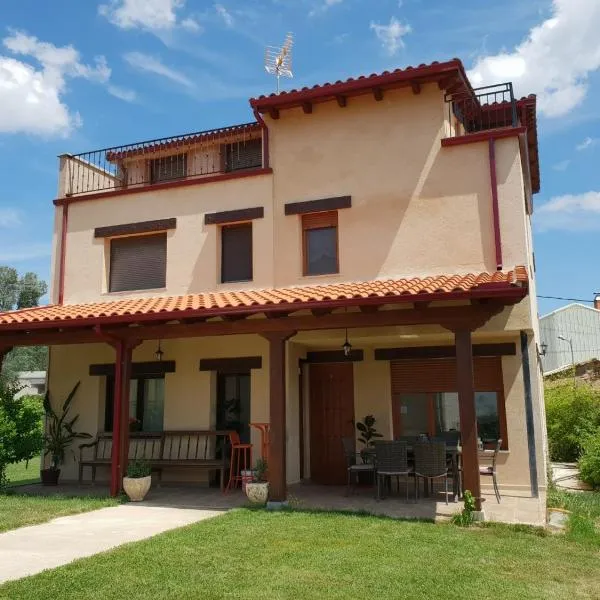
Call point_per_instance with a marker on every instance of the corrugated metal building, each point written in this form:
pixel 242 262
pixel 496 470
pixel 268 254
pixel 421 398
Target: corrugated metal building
pixel 576 322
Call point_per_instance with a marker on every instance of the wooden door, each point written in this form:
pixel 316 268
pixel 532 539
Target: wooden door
pixel 331 419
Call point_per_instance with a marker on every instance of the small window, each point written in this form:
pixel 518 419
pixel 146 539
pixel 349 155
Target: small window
pixel 236 253
pixel 168 167
pixel 320 241
pixel 138 263
pixel 243 155
pixel 146 404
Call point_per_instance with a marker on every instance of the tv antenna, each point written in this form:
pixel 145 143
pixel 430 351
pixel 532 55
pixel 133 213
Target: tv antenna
pixel 278 59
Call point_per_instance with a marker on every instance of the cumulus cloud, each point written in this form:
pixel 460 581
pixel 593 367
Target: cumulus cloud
pixel 570 212
pixel 32 95
pixel 554 61
pixel 151 64
pixel 391 35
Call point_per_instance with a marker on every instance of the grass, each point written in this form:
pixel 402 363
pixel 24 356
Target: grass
pixel 18 510
pixel 584 522
pixel 301 555
pixel 24 472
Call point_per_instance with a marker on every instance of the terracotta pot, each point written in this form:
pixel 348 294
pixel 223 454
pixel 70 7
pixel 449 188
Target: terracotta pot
pixel 50 476
pixel 136 488
pixel 258 493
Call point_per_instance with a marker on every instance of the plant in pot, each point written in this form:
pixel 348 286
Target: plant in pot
pixel 59 436
pixel 368 434
pixel 257 490
pixel 138 480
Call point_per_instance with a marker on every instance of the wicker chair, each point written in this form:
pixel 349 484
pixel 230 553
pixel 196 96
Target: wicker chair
pixel 352 466
pixel 490 470
pixel 391 460
pixel 430 464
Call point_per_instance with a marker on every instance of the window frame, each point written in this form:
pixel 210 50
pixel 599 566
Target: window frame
pixel 227 152
pixel 230 227
pixel 153 179
pixel 314 221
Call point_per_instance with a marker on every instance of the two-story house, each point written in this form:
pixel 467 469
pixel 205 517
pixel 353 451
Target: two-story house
pixel 363 247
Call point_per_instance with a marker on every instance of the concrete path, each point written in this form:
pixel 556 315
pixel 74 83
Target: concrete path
pixel 29 550
pixel 566 476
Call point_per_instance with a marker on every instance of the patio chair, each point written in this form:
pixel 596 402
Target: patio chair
pixel 490 470
pixel 391 460
pixel 354 467
pixel 452 437
pixel 430 464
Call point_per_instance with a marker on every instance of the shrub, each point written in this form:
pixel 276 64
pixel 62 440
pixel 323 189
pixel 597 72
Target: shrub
pixel 21 427
pixel 138 468
pixel 466 518
pixel 572 415
pixel 589 461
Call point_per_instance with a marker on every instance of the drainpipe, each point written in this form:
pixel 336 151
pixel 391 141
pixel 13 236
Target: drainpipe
pixel 529 421
pixel 265 129
pixel 63 252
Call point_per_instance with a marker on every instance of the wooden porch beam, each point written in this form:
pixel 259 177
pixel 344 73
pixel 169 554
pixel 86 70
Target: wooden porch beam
pixel 378 94
pixel 416 87
pixel 342 101
pixel 307 108
pixel 274 113
pixel 369 308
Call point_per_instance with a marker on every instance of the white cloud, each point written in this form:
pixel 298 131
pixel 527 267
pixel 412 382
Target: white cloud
pixel 17 253
pixel 192 25
pixel 149 64
pixel 323 6
pixel 9 218
pixel 570 212
pixel 391 35
pixel 587 143
pixel 32 97
pixel 224 14
pixel 153 15
pixel 122 93
pixel 563 165
pixel 554 61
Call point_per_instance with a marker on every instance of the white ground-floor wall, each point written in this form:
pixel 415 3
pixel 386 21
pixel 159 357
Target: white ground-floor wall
pixel 190 396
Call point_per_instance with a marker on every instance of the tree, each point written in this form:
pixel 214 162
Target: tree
pixel 9 284
pixel 21 427
pixel 30 289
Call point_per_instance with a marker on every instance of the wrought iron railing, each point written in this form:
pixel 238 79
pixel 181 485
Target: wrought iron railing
pixel 189 156
pixel 481 109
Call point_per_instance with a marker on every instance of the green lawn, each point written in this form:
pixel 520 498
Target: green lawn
pixel 24 472
pixel 584 522
pixel 258 555
pixel 18 510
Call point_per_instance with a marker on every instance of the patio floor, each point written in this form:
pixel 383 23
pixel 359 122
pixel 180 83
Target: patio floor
pixel 515 507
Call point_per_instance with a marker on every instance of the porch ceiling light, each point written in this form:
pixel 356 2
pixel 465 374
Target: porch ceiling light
pixel 347 346
pixel 159 353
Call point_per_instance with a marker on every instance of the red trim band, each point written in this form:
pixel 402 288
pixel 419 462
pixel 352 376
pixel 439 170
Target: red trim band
pixel 483 136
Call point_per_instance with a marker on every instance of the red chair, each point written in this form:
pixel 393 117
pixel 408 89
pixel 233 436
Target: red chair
pixel 241 460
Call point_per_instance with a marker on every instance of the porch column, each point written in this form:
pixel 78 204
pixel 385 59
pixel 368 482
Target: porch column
pixel 468 418
pixel 120 445
pixel 277 415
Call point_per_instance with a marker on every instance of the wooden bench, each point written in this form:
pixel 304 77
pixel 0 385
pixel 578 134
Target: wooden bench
pixel 162 450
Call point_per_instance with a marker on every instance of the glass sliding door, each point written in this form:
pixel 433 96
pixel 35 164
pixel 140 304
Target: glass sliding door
pixel 414 414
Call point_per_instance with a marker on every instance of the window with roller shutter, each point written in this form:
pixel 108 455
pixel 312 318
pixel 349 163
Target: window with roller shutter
pixel 138 263
pixel 236 253
pixel 242 155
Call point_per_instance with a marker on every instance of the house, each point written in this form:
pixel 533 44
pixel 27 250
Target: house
pixel 570 335
pixel 32 383
pixel 210 280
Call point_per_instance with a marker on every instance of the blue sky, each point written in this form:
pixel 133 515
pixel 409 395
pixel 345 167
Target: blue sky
pixel 76 76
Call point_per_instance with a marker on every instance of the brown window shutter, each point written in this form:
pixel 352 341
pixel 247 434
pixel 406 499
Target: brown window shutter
pixel 138 263
pixel 173 166
pixel 243 155
pixel 439 375
pixel 320 220
pixel 236 252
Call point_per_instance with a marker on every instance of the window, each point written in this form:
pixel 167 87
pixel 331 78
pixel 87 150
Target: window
pixel 236 252
pixel 242 155
pixel 168 167
pixel 146 404
pixel 138 263
pixel 320 243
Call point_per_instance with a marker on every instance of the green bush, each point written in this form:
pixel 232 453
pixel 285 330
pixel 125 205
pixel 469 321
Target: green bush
pixel 589 461
pixel 572 415
pixel 138 468
pixel 21 427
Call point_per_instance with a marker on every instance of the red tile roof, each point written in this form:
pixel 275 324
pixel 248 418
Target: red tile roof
pixel 386 291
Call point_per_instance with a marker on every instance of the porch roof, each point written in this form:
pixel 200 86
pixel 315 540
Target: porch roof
pixel 280 300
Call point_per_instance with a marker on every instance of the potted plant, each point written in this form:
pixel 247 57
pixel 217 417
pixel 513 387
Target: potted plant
pixel 59 436
pixel 368 433
pixel 138 480
pixel 257 490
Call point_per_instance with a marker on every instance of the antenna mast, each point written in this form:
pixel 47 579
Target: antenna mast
pixel 278 59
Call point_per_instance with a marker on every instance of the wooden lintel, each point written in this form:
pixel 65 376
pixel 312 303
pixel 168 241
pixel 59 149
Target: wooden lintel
pixel 307 108
pixel 342 101
pixel 378 94
pixel 274 113
pixel 416 87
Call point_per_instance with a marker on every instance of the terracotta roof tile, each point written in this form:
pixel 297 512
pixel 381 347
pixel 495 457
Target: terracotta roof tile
pixel 216 303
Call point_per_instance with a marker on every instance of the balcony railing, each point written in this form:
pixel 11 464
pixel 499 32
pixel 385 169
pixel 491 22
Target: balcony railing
pixel 190 156
pixel 481 109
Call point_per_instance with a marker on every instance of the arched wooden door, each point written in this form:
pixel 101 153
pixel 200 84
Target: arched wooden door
pixel 331 408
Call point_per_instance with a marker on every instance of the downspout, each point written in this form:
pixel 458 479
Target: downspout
pixel 63 251
pixel 265 129
pixel 495 207
pixel 529 416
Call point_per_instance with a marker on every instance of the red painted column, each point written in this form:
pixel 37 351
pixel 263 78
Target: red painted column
pixel 468 417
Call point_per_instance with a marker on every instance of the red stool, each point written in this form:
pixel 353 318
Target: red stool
pixel 241 460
